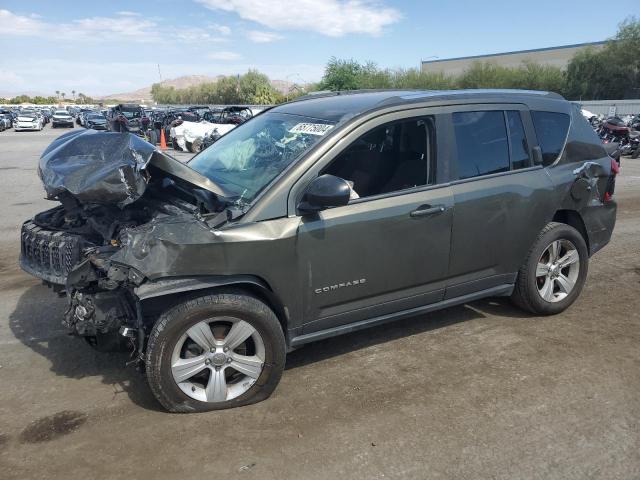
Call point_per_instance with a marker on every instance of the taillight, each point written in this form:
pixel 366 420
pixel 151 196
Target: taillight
pixel 615 168
pixel 611 182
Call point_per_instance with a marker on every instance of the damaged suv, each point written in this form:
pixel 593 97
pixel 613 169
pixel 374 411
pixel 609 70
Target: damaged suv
pixel 318 217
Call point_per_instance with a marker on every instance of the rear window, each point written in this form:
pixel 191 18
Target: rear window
pixel 551 130
pixel 481 140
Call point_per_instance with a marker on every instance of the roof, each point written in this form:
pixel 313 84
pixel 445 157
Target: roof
pixel 340 106
pixel 516 52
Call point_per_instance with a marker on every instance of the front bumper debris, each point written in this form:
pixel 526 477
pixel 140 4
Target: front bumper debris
pixel 47 254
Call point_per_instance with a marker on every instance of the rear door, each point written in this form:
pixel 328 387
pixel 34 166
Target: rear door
pixel 502 199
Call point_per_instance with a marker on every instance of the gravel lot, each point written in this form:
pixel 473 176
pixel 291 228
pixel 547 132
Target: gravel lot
pixel 476 391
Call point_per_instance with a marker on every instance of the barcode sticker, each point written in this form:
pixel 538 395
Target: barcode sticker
pixel 311 128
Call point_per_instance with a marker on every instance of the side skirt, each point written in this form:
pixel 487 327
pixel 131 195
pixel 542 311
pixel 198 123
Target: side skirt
pixel 499 291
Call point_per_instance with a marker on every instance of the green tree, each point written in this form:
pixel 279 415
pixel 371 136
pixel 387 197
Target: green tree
pixel 341 75
pixel 229 90
pixel 255 88
pixel 612 72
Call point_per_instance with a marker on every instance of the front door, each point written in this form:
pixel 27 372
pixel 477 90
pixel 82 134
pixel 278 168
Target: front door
pixel 388 249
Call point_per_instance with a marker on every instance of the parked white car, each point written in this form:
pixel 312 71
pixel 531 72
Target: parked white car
pixel 28 122
pixel 61 118
pixel 192 133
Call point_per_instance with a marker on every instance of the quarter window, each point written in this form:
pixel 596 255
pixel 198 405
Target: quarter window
pixel 394 156
pixel 481 140
pixel 551 130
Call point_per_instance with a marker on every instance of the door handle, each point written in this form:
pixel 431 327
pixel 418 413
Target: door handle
pixel 427 210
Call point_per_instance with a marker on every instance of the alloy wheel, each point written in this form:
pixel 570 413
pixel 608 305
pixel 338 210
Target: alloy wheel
pixel 557 270
pixel 217 360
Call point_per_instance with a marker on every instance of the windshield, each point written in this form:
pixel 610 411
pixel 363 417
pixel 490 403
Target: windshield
pixel 61 112
pixel 247 158
pixel 131 114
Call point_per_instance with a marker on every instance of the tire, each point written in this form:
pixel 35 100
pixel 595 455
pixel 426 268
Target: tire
pixel 530 286
pixel 169 335
pixel 636 153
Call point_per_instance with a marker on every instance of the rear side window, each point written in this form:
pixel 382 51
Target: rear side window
pixel 481 140
pixel 517 141
pixel 551 130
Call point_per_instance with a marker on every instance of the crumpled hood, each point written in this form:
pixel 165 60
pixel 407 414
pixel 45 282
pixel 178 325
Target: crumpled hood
pixel 108 168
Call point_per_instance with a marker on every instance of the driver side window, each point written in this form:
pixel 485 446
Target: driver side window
pixel 394 156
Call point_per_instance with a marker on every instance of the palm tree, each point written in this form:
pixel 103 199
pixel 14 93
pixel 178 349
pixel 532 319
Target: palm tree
pixel 62 94
pixel 73 92
pixel 58 93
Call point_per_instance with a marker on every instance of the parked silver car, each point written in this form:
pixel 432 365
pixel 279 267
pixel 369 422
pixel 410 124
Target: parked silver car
pixel 61 118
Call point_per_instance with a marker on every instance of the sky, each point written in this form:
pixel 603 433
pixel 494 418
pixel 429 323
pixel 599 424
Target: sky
pixel 101 48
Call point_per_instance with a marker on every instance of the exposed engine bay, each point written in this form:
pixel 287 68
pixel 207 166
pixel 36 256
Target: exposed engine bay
pixel 109 186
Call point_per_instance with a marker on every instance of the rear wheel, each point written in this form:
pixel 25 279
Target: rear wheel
pixel 215 352
pixel 554 271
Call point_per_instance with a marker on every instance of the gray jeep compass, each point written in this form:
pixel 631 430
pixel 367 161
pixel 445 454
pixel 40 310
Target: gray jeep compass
pixel 318 217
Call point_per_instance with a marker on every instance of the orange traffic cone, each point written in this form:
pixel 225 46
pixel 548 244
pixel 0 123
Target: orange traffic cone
pixel 163 141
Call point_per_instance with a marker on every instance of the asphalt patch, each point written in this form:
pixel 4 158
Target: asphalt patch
pixel 53 426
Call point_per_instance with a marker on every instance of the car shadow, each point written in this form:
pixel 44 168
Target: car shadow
pixel 36 322
pixel 335 346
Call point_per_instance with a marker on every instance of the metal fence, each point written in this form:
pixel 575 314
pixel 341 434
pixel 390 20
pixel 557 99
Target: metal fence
pixel 611 107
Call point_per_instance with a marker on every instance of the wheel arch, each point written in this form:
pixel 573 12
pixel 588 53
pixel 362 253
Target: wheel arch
pixel 161 294
pixel 575 220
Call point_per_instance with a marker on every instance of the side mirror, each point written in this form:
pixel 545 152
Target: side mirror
pixel 324 192
pixel 537 155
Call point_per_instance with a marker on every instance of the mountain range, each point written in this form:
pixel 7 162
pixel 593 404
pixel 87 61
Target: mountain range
pixel 143 95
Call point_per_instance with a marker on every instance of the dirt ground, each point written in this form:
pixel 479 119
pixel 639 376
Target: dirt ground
pixel 473 392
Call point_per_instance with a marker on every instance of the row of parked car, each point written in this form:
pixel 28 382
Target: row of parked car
pixel 24 119
pixel 191 128
pixel 35 119
pixel 150 123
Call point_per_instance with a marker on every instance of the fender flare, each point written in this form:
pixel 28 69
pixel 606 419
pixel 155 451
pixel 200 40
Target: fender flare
pixel 174 285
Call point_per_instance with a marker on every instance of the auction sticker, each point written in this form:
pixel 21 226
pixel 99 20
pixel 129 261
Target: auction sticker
pixel 311 128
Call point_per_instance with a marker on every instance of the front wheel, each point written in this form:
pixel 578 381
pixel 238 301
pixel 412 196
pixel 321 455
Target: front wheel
pixel 554 272
pixel 215 352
